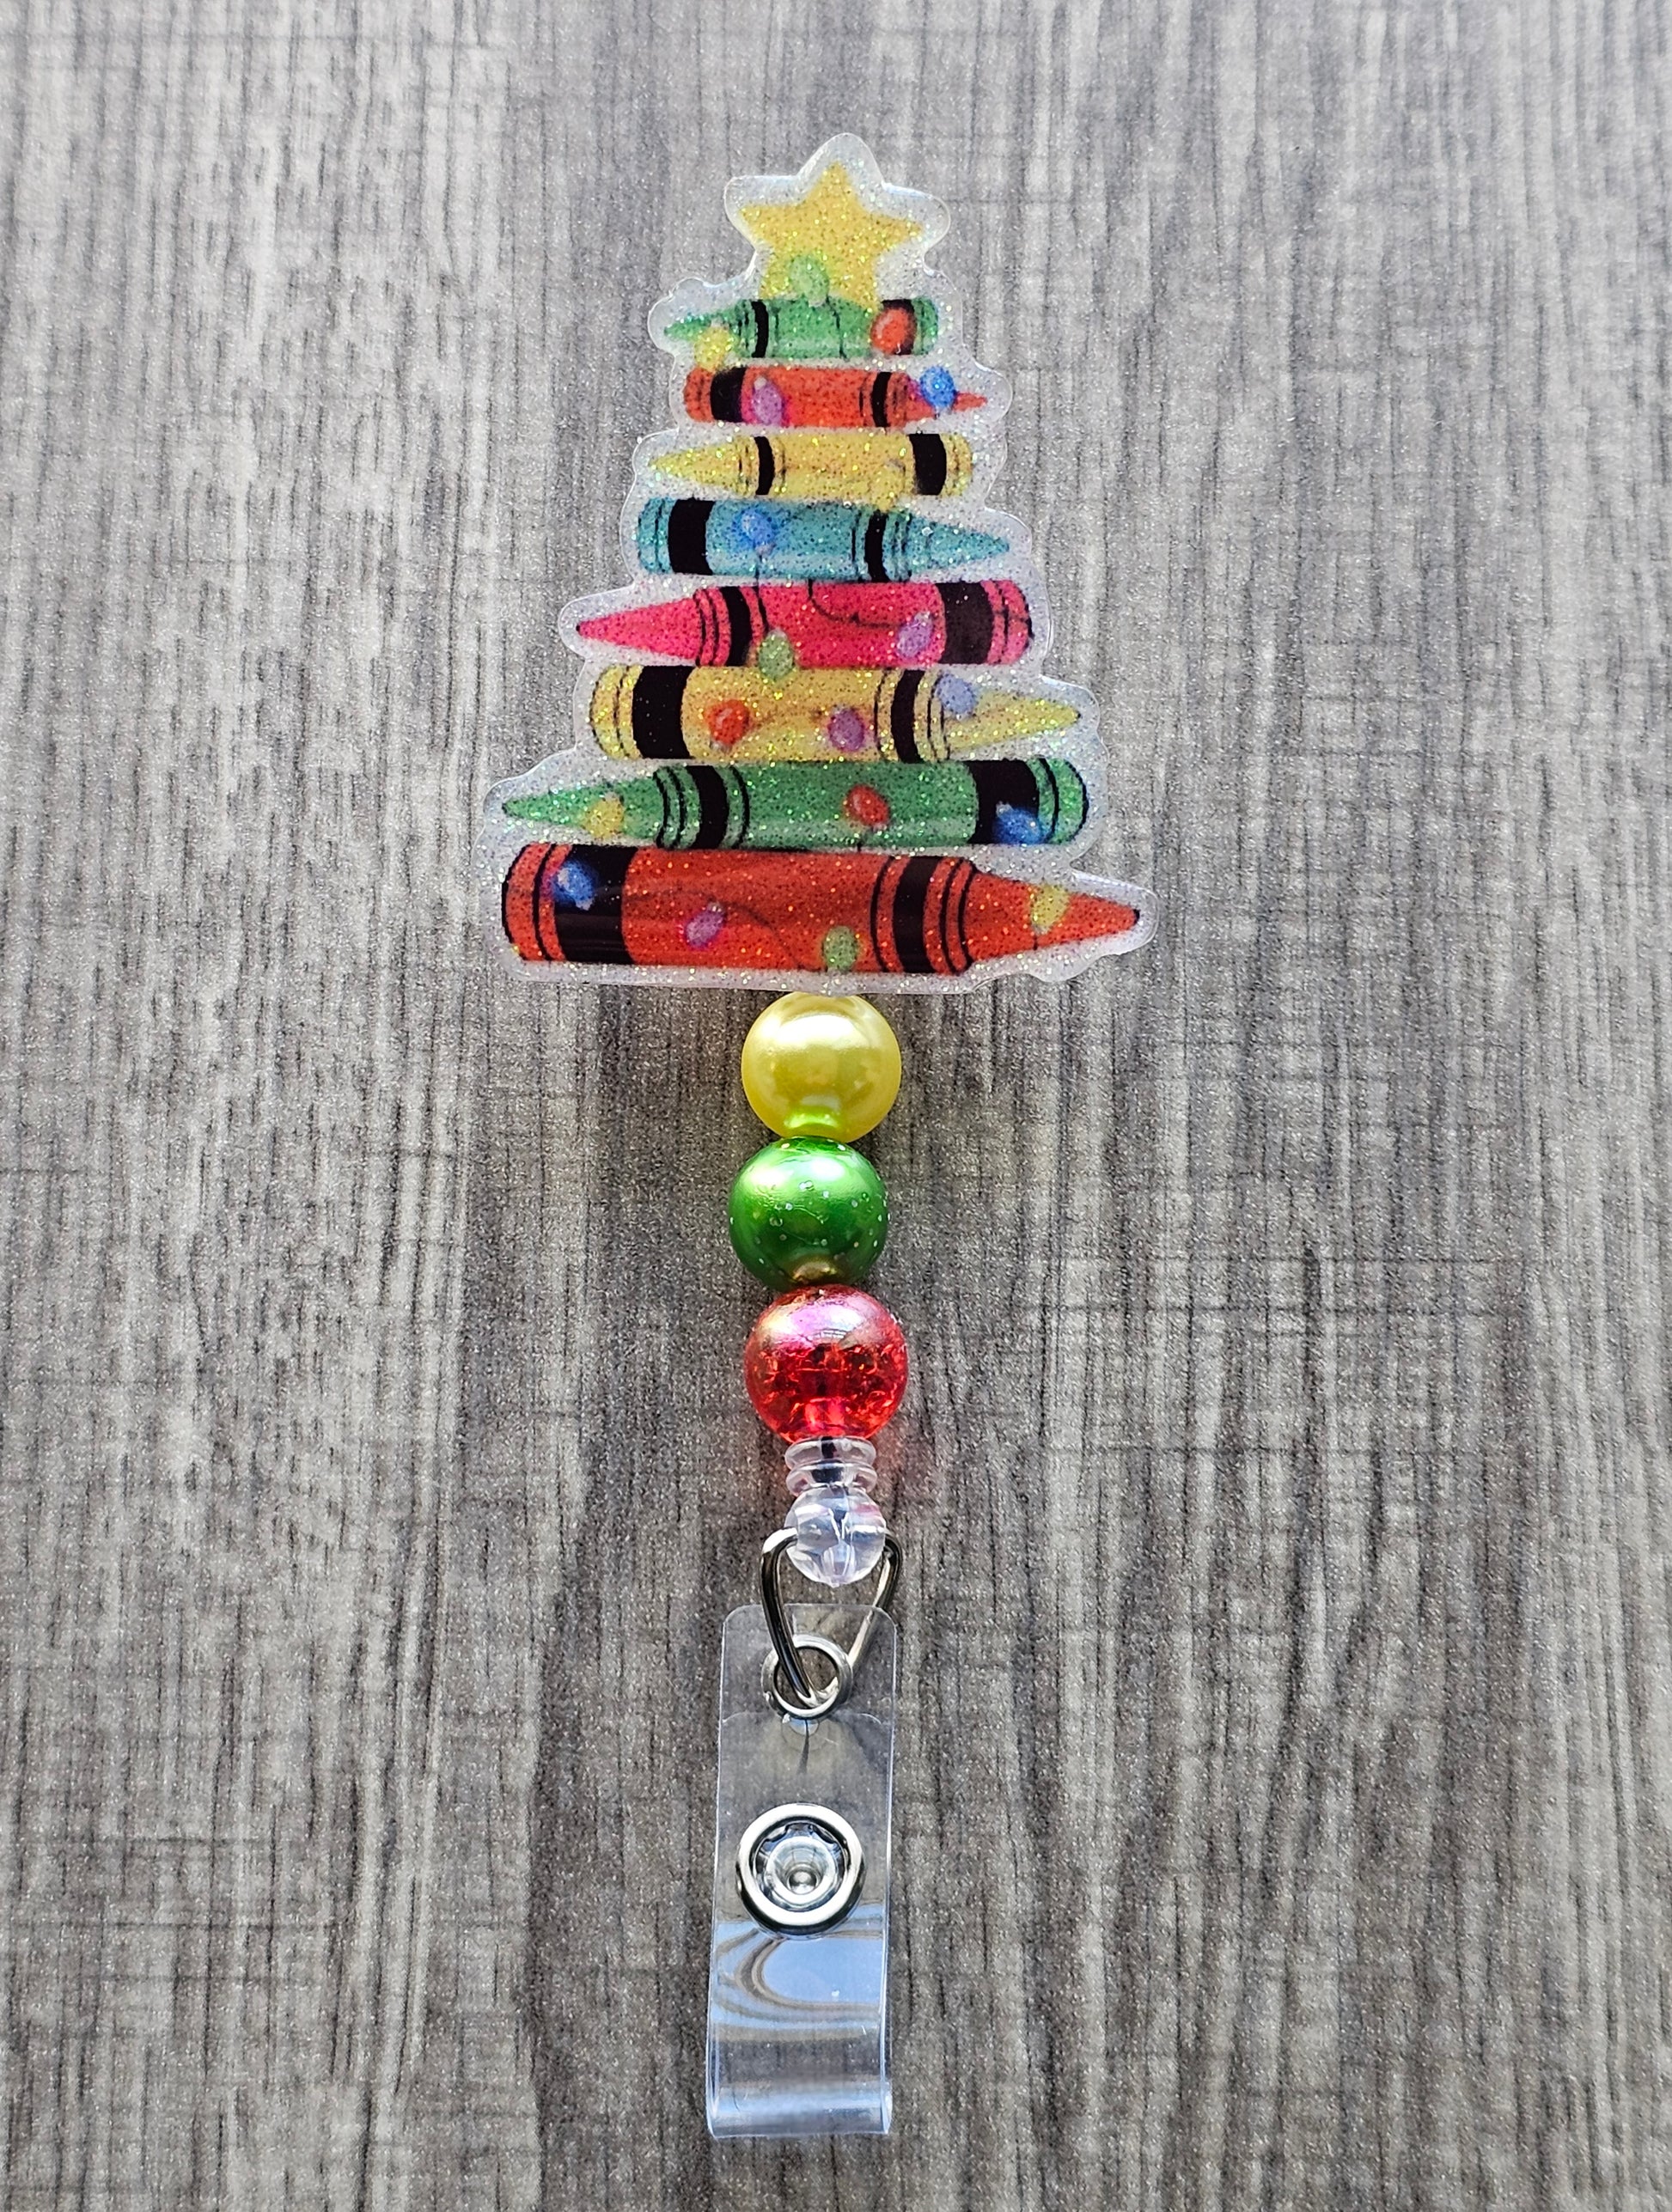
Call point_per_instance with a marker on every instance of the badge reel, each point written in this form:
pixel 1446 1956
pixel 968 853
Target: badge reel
pixel 798 1963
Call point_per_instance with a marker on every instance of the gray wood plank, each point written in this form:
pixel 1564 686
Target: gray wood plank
pixel 1286 1789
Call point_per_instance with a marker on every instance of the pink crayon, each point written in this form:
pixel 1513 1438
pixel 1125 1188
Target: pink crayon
pixel 829 626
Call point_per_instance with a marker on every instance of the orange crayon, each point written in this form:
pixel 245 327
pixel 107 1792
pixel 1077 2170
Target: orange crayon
pixel 780 398
pixel 828 625
pixel 807 913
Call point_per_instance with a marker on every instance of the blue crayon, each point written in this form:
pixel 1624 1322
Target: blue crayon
pixel 817 541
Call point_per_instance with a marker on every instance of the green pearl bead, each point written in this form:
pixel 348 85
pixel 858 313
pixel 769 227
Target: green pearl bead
pixel 806 1211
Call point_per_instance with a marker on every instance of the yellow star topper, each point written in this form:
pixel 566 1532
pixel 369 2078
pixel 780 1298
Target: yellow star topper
pixel 827 243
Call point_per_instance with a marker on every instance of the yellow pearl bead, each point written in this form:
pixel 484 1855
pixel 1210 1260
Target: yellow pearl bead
pixel 821 1067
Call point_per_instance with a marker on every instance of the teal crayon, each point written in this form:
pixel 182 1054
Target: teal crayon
pixel 794 329
pixel 820 540
pixel 823 806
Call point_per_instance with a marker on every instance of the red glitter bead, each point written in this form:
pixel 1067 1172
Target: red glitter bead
pixel 826 1361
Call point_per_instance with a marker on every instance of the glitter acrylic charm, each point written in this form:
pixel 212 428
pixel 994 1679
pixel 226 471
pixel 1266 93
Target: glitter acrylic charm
pixel 814 747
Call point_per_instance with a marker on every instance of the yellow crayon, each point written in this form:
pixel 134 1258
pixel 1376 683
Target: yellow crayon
pixel 725 714
pixel 875 466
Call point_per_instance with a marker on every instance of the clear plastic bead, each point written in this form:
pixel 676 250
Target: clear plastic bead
pixel 839 1529
pixel 838 1526
pixel 830 1459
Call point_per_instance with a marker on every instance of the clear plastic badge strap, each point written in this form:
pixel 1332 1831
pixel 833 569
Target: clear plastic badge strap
pixel 798 1965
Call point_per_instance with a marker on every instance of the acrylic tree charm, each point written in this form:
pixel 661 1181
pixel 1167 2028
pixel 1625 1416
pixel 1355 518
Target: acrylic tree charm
pixel 813 740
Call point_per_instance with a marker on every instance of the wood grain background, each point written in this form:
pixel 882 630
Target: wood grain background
pixel 1286 1764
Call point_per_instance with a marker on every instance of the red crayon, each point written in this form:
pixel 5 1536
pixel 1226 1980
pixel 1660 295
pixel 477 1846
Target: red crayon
pixel 780 398
pixel 808 913
pixel 830 626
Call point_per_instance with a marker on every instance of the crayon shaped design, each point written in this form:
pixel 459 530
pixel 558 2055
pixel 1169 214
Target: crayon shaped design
pixel 823 806
pixel 823 540
pixel 880 465
pixel 736 714
pixel 807 913
pixel 828 625
pixel 794 329
pixel 822 399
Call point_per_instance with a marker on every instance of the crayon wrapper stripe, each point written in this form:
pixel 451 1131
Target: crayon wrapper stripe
pixel 517 903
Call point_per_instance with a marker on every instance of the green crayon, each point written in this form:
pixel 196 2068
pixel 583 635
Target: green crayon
pixel 823 806
pixel 793 329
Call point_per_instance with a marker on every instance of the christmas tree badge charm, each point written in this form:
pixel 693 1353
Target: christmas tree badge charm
pixel 814 752
pixel 813 742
